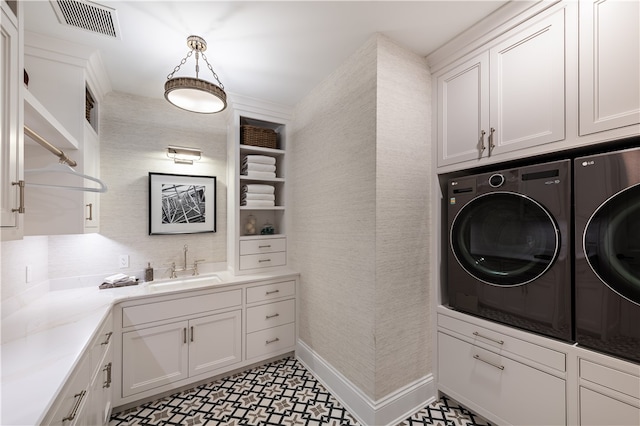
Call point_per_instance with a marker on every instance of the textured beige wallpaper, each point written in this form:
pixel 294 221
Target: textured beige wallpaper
pixel 134 134
pixel 360 169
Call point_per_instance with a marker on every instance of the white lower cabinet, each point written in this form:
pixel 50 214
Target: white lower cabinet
pixel 169 342
pixel 157 356
pixel 492 383
pixel 86 397
pixel 609 394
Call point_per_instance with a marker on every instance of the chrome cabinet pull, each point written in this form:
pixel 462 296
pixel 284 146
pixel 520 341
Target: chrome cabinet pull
pixel 79 397
pixel 106 342
pixel 192 333
pixel 499 367
pixel 272 292
pixel 491 144
pixel 481 144
pixel 268 342
pixel 500 342
pixel 20 208
pixel 107 368
pixel 184 335
pixel 273 316
pixel 90 205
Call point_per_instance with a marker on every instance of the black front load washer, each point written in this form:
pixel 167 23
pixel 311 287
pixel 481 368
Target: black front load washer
pixel 509 247
pixel 607 244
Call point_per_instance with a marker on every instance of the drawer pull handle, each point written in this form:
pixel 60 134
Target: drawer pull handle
pixel 184 335
pixel 20 208
pixel 107 368
pixel 106 342
pixel 500 342
pixel 499 367
pixel 268 342
pixel 272 292
pixel 192 333
pixel 273 316
pixel 491 144
pixel 267 246
pixel 264 260
pixel 78 397
pixel 90 205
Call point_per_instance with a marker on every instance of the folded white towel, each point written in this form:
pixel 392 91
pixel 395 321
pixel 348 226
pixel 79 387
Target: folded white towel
pixel 257 188
pixel 258 203
pixel 252 196
pixel 260 159
pixel 258 167
pixel 260 175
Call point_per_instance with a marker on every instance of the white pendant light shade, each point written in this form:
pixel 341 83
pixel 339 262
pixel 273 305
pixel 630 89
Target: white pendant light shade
pixel 194 94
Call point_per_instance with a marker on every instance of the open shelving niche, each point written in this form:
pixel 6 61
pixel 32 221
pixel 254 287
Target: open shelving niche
pixel 273 215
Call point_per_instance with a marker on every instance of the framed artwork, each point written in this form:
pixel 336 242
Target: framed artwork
pixel 181 204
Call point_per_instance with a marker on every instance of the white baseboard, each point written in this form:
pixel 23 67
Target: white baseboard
pixel 389 410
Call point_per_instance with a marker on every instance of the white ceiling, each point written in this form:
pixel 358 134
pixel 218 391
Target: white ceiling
pixel 275 51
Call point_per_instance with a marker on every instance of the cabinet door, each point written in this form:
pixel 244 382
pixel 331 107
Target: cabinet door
pixel 101 397
pixel 154 357
pixel 527 87
pixel 463 111
pixel 609 65
pixel 214 342
pixel 11 126
pixel 597 409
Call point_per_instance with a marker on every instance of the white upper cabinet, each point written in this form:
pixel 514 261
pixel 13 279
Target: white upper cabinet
pixel 506 96
pixel 11 165
pixel 609 65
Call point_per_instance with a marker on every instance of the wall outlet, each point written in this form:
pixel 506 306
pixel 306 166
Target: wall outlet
pixel 123 261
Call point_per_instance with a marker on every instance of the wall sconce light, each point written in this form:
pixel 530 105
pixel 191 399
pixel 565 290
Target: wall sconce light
pixel 183 155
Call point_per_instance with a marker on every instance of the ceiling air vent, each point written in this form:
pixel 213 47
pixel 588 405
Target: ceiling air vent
pixel 88 16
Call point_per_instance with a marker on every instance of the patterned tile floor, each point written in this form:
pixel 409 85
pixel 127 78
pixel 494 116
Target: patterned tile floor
pixel 282 393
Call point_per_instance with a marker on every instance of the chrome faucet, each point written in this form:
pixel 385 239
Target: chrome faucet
pixel 173 271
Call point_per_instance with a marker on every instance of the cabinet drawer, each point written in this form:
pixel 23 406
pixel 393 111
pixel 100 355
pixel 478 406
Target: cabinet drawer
pixel 267 245
pixel 610 378
pixel 102 342
pixel 270 291
pixel 253 261
pixel 69 408
pixel 270 340
pixel 270 315
pixel 150 312
pixel 489 338
pixel 510 390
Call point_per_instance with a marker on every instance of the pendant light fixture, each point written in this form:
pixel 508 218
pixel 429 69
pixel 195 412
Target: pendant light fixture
pixel 194 94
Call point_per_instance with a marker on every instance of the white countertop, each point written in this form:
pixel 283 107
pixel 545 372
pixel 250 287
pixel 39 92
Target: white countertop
pixel 43 341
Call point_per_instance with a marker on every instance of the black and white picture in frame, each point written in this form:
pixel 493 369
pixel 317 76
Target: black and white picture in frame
pixel 181 204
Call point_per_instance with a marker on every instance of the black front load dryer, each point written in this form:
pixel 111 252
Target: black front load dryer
pixel 509 247
pixel 607 244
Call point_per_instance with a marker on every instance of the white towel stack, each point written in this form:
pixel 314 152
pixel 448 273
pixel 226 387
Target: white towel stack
pixel 259 166
pixel 258 195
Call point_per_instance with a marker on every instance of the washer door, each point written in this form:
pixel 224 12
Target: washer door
pixel 612 243
pixel 504 239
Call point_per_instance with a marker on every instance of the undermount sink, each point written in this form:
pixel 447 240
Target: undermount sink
pixel 185 283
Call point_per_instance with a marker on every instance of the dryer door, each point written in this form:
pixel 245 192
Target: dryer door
pixel 504 239
pixel 611 243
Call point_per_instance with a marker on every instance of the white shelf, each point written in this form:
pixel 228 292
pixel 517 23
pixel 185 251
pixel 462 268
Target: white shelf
pixel 243 178
pixel 260 236
pixel 41 121
pixel 261 150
